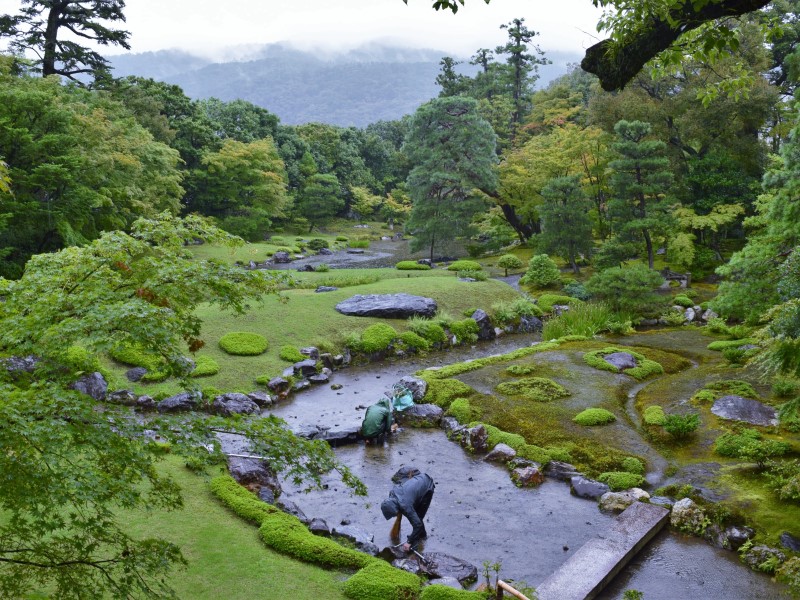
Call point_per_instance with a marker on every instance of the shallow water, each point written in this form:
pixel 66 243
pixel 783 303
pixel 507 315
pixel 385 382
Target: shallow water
pixel 477 513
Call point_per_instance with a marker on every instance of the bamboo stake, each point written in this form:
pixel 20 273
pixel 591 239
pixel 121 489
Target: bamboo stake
pixel 502 586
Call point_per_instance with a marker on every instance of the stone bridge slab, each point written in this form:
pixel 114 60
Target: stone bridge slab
pixel 596 563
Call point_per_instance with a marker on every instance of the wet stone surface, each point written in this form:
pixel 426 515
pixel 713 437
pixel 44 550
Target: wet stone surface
pixel 736 408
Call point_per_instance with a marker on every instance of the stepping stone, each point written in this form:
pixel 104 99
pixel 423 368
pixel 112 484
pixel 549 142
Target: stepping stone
pixel 736 408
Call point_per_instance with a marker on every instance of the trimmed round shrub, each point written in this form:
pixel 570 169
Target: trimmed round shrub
pixel 465 265
pixel 380 581
pixel 631 464
pixel 643 369
pixel 594 416
pixel 411 265
pixel 318 244
pixel 377 337
pixel 466 331
pixel 205 366
pixel 536 389
pixel 342 238
pixel 683 300
pixel 619 480
pixel 135 355
pixel 428 329
pixel 470 274
pixel 654 415
pixel 415 341
pixel 322 268
pixel 577 290
pixel 542 272
pixel 291 354
pixel 358 243
pixel 243 343
pixel 509 261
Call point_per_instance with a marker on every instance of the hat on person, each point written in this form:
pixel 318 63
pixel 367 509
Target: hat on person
pixel 389 508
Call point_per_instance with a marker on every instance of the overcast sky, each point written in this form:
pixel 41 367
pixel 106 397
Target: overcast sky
pixel 207 26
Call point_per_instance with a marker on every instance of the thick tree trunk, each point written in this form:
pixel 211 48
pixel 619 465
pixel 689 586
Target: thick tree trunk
pixel 51 38
pixel 649 243
pixel 524 230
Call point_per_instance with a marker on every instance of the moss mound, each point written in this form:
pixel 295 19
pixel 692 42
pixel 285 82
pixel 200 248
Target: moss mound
pixel 205 366
pixel 466 331
pixel 442 592
pixel 411 265
pixel 377 337
pixel 380 581
pixel 594 416
pixel 643 369
pixel 535 389
pixel 462 411
pixel 442 392
pixel 519 370
pixel 464 265
pixel 291 354
pixel 547 301
pixel 717 389
pixel 620 480
pixel 654 415
pixel 721 345
pixel 415 342
pixel 243 343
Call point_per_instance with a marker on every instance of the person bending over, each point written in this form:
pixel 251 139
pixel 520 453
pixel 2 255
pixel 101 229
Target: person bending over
pixel 411 498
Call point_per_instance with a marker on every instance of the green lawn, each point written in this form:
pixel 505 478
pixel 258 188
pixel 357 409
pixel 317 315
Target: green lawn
pixel 226 558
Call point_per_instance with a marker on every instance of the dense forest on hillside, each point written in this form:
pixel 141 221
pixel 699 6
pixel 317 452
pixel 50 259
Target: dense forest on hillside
pixel 691 169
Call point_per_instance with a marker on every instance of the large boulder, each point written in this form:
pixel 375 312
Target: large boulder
pixel 135 374
pixel 291 508
pixel 561 470
pixel 789 541
pixel 263 399
pixel 421 415
pixel 730 538
pixel 281 257
pixel 527 476
pixel 583 487
pixel 318 526
pixel 233 403
pixel 253 472
pixel 501 453
pixel 305 368
pixel 758 555
pixel 415 385
pixel 485 327
pixel 530 324
pixel 475 439
pixel 688 517
pixel 20 364
pixel 736 408
pixel 93 385
pixel 278 385
pixel 388 306
pixel 360 538
pixel 620 360
pixel 619 501
pixel 340 437
pixel 182 402
pixel 444 565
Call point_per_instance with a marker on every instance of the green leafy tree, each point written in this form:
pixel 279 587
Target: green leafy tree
pixel 542 272
pixel 320 199
pixel 640 181
pixel 239 120
pixel 364 203
pixel 69 463
pixel 509 261
pixel 453 153
pixel 566 225
pixel 45 26
pixel 627 289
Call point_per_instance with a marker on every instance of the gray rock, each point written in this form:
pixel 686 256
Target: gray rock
pixel 305 368
pixel 648 322
pixel 325 288
pixel 319 527
pixel 267 495
pixel 619 501
pixel 450 582
pixel 412 565
pixel 587 488
pixel 306 269
pixel 135 374
pixel 355 251
pixel 20 364
pixel 789 541
pixel 689 315
pixel 327 359
pixel 325 252
pixel 415 385
pixel 560 309
pixel 452 427
pixel 180 402
pixel 288 372
pixel 308 432
pixel 145 402
pixel 421 415
pixel 475 439
pixel 319 378
pixel 291 508
pixel 736 408
pixel 124 397
pixel 425 261
pixel 310 352
pixel 620 360
pixel 485 327
pixel 253 471
pixel 688 517
pixel 758 555
pixel 708 315
pixel 361 539
pixel 336 386
pixel 390 306
pixel 93 385
pixel 662 501
pixel 341 437
pixel 501 453
pixel 263 399
pixel 561 470
pixel 301 385
pixel 443 565
pixel 530 324
pixel 233 403
pixel 527 476
pixel 281 257
pixel 736 536
pixel 278 384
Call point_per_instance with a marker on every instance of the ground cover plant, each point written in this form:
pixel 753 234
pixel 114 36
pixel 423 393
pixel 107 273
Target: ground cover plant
pixel 594 416
pixel 535 389
pixel 243 343
pixel 644 368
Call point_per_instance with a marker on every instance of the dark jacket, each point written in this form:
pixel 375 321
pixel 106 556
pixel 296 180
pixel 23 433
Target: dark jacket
pixel 377 419
pixel 412 498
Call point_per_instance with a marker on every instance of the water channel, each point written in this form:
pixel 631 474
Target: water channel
pixel 478 515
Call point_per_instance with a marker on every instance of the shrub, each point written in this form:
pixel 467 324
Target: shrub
pixel 466 331
pixel 747 444
pixel 673 318
pixel 631 464
pixel 509 261
pixel 411 265
pixel 209 393
pixel 620 327
pixel 734 356
pixel 508 312
pixel 322 268
pixel 476 275
pixel 462 411
pixel 377 337
pixel 577 290
pixel 594 416
pixel 135 355
pixel 619 480
pixel 381 581
pixel 342 238
pixel 291 354
pixel 654 415
pixel 243 343
pixel 542 272
pixel 318 244
pixel 519 370
pixel 737 332
pixel 785 479
pixel 784 387
pixel 681 426
pixel 428 329
pixel 358 243
pixel 415 342
pixel 717 325
pixel 683 300
pixel 536 389
pixel 789 573
pixel 721 345
pixel 585 319
pixel 464 265
pixel 547 301
pixel 205 366
pixel 627 289
pixel 442 392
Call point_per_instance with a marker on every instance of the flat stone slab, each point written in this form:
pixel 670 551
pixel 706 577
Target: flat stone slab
pixel 394 306
pixel 588 571
pixel 736 408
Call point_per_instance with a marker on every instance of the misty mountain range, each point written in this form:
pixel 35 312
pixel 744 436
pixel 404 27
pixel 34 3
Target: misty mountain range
pixel 371 83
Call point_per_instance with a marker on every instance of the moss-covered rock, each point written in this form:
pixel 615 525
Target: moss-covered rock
pixel 594 416
pixel 243 343
pixel 644 367
pixel 535 389
pixel 380 581
pixel 547 301
pixel 620 480
pixel 442 392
